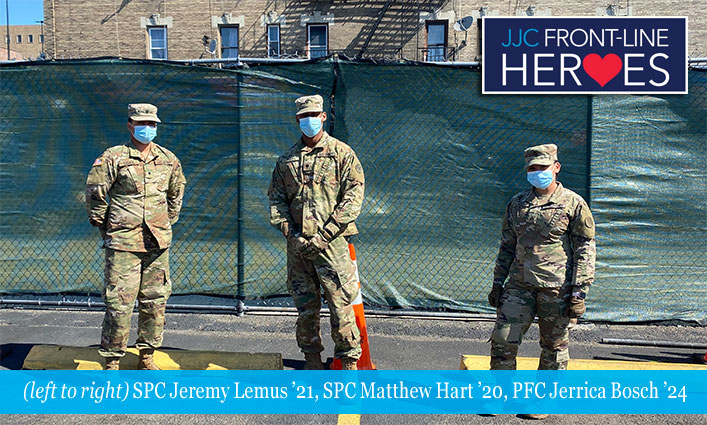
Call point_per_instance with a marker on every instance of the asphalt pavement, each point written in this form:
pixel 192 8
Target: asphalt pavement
pixel 396 343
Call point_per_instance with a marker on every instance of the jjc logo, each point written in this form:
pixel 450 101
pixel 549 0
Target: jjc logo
pixel 584 55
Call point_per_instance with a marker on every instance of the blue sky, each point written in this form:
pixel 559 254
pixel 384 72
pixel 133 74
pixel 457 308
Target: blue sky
pixel 22 12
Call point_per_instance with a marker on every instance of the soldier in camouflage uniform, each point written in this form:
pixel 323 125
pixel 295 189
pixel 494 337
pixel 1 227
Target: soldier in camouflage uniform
pixel 315 195
pixel 145 185
pixel 547 253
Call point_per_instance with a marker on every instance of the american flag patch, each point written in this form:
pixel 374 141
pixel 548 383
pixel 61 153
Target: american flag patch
pixel 98 161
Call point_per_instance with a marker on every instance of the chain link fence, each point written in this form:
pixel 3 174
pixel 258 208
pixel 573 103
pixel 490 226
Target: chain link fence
pixel 441 162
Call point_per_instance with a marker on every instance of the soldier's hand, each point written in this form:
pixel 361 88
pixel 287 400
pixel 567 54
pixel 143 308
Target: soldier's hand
pixel 495 295
pixel 298 244
pixel 576 308
pixel 317 244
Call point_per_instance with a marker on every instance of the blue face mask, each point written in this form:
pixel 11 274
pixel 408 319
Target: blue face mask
pixel 541 179
pixel 144 133
pixel 310 126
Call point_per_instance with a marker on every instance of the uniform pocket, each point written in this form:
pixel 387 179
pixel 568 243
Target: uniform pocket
pixel 160 174
pixel 129 173
pixel 349 290
pixel 326 170
pixel 293 165
pixel 551 217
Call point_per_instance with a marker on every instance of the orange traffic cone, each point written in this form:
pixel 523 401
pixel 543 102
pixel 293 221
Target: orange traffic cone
pixel 364 362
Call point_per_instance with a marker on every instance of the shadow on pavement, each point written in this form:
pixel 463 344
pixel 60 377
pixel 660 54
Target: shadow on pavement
pixel 12 356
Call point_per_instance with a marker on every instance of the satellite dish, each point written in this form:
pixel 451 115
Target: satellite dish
pixel 464 23
pixel 212 46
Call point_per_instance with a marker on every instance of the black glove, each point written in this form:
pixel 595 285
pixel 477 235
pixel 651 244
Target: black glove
pixel 495 295
pixel 316 245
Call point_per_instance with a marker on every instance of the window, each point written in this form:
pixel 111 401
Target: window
pixel 318 40
pixel 30 38
pixel 41 38
pixel 436 41
pixel 274 41
pixel 229 41
pixel 158 42
pixel 19 39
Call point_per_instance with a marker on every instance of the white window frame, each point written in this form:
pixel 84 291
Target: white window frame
pixel 150 38
pixel 19 38
pixel 279 52
pixel 326 45
pixel 238 40
pixel 30 39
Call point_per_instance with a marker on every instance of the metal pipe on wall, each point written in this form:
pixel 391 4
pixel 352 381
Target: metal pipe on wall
pixel 648 343
pixel 253 309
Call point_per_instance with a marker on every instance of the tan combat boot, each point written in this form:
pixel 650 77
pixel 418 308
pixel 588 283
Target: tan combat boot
pixel 146 361
pixel 313 361
pixel 347 363
pixel 112 363
pixel 535 416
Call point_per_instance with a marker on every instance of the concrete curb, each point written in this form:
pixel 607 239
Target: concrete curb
pixel 531 363
pixel 60 357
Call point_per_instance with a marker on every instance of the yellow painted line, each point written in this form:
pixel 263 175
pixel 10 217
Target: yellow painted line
pixel 60 357
pixel 531 363
pixel 349 420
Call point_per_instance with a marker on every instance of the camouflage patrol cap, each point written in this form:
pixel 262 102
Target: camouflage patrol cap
pixel 541 154
pixel 306 104
pixel 143 112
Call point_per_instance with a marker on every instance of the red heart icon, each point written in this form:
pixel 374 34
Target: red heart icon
pixel 602 70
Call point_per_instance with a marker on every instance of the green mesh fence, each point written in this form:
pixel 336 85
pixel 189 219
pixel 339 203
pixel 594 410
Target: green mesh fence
pixel 441 162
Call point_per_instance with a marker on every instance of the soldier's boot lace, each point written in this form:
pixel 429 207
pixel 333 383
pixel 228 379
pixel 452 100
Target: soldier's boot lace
pixel 313 361
pixel 348 363
pixel 112 363
pixel 146 360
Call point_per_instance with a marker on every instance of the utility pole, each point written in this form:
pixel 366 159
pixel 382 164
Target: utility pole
pixel 42 35
pixel 7 12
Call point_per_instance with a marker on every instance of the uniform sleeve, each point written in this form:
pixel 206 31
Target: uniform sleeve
pixel 507 250
pixel 175 192
pixel 280 216
pixel 351 196
pixel 583 247
pixel 100 180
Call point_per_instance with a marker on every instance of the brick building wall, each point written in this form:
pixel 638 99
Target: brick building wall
pixel 29 43
pixel 91 28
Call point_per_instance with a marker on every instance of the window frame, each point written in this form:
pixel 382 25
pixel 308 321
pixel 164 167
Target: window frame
pixel 18 39
pixel 30 39
pixel 221 47
pixel 279 38
pixel 309 45
pixel 150 38
pixel 444 46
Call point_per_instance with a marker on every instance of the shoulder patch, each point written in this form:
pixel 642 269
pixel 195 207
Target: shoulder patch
pixel 589 222
pixel 98 161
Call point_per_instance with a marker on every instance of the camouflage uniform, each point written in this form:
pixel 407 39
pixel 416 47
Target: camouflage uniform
pixel 319 190
pixel 145 200
pixel 547 253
